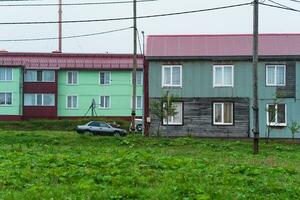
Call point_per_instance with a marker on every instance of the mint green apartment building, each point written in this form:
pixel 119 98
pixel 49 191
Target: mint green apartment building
pixel 61 85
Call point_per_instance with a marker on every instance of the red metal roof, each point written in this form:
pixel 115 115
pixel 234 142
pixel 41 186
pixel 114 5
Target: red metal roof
pixel 221 45
pixel 69 61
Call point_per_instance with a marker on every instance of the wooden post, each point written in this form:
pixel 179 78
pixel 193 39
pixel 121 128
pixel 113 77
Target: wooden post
pixel 255 81
pixel 60 26
pixel 134 68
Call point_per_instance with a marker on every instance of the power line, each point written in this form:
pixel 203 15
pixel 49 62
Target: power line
pixel 17 0
pixel 280 7
pixel 295 1
pixel 66 37
pixel 127 18
pixel 74 4
pixel 279 4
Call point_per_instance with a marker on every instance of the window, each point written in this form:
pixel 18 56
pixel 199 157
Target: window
pixel 95 124
pixel 139 78
pixel 138 102
pixel 48 100
pixel 72 78
pixel 48 76
pixel 29 100
pixel 176 119
pixel 172 76
pixel 39 100
pixel 275 75
pixel 39 76
pixel 72 102
pixel 103 125
pixel 5 99
pixel 223 75
pixel 5 74
pixel 276 114
pixel 104 102
pixel 104 78
pixel 30 76
pixel 223 113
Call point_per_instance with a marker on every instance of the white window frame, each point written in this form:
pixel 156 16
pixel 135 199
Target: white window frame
pixel 72 79
pixel 43 76
pixel 171 122
pixel 109 102
pixel 72 107
pixel 35 99
pixel 275 74
pixel 276 115
pixel 171 76
pixel 142 78
pixel 222 84
pixel 136 106
pixel 5 74
pixel 222 115
pixel 6 105
pixel 109 72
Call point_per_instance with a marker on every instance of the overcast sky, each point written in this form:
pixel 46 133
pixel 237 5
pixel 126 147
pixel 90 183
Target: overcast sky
pixel 233 21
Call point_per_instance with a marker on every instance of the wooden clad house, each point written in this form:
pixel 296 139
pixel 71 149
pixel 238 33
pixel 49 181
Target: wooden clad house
pixel 211 76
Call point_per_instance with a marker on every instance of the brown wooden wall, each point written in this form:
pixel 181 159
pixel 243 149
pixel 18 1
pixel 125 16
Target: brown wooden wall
pixel 289 90
pixel 198 119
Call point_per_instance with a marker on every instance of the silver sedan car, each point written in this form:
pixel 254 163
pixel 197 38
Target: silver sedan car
pixel 100 128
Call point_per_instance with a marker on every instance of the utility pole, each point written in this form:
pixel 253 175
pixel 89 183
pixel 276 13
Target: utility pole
pixel 60 26
pixel 255 81
pixel 134 68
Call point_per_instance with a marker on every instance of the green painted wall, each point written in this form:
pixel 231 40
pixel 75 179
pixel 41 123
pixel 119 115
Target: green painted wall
pixel 120 92
pixel 293 113
pixel 14 86
pixel 298 80
pixel 198 82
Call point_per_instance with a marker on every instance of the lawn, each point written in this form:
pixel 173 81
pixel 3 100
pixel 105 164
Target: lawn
pixel 64 165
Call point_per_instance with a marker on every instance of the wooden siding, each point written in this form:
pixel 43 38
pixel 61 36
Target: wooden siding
pixel 198 119
pixel 289 90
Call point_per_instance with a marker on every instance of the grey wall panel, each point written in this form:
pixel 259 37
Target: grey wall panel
pixel 198 119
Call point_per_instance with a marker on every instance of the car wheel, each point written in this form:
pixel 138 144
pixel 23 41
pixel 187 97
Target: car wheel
pixel 116 133
pixel 139 127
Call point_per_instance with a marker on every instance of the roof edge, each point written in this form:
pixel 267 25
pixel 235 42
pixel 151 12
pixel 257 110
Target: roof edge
pixel 68 54
pixel 219 58
pixel 224 35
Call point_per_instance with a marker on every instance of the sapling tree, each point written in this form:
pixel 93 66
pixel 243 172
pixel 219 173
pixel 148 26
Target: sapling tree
pixel 294 128
pixel 272 112
pixel 163 109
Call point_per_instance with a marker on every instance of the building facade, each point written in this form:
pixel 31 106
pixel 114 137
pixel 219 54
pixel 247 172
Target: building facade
pixel 59 85
pixel 211 78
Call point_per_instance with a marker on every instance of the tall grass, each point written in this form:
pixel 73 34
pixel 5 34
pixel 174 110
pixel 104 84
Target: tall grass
pixel 54 125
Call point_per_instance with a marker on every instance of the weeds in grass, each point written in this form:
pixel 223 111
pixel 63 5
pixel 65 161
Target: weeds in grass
pixel 64 165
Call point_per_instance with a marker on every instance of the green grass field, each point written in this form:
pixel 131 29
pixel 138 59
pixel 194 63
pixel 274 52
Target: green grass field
pixel 64 165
